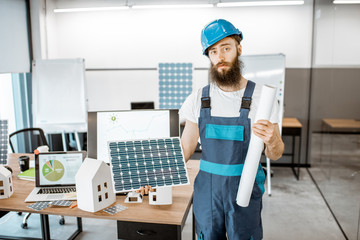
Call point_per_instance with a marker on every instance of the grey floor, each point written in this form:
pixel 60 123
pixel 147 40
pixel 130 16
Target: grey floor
pixel 336 170
pixel 295 210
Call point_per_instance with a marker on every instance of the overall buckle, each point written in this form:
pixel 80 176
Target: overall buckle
pixel 205 102
pixel 246 102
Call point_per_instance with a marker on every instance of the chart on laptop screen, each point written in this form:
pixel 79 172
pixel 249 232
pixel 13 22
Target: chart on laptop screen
pixel 59 168
pixel 129 125
pixel 53 170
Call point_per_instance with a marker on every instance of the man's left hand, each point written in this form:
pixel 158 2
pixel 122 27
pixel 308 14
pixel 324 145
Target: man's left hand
pixel 265 130
pixel 270 134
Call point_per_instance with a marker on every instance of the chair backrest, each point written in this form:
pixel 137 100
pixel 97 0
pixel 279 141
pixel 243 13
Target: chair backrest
pixel 27 140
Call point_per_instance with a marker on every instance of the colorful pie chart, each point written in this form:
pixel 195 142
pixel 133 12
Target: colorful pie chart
pixel 53 170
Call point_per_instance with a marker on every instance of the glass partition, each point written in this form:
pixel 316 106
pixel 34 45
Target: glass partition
pixel 334 137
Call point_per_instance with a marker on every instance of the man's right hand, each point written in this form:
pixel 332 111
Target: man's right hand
pixel 145 190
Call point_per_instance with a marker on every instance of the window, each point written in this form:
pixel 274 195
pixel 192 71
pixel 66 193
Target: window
pixel 15 103
pixel 7 114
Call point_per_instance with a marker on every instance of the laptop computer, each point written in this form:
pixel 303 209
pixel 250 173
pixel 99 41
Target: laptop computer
pixel 55 176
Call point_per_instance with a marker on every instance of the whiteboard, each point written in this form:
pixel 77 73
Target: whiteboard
pixel 267 69
pixel 59 99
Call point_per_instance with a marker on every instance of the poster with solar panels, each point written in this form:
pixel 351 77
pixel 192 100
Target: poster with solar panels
pixel 175 84
pixel 3 141
pixel 154 162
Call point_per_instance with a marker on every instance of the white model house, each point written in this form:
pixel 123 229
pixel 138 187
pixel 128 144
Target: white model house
pixel 94 186
pixel 6 183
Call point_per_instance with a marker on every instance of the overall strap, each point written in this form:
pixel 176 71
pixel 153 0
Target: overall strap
pixel 246 99
pixel 205 101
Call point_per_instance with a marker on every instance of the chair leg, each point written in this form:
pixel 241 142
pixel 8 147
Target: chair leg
pixel 62 220
pixel 24 223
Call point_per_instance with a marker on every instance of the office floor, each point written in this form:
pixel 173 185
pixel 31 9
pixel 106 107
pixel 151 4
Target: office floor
pixel 295 211
pixel 336 168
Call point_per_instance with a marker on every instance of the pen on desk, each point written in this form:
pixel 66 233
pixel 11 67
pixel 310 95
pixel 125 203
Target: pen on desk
pixel 73 206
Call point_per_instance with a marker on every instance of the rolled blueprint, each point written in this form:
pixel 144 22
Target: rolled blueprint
pixel 255 148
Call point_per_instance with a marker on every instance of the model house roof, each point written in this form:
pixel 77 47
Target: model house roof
pixel 4 172
pixel 89 168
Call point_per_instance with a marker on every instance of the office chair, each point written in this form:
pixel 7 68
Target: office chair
pixel 26 141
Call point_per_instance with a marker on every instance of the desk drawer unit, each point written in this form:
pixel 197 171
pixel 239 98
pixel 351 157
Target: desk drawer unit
pixel 136 230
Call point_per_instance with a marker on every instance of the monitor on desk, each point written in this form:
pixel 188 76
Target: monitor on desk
pixel 104 126
pixel 142 105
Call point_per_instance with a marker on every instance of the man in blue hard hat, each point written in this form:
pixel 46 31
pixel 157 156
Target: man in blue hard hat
pixel 222 115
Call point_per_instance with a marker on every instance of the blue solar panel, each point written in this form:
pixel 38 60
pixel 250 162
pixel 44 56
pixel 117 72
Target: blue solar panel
pixel 3 141
pixel 154 162
pixel 175 84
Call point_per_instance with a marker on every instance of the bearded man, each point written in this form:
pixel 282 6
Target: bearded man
pixel 222 115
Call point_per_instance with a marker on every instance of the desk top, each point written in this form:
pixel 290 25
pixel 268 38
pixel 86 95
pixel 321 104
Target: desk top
pixel 174 214
pixel 291 123
pixel 349 124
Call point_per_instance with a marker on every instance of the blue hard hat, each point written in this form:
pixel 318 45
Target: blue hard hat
pixel 217 30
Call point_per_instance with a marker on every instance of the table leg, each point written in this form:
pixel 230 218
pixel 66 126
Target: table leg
pixel 78 230
pixel 299 155
pixel 179 232
pixel 45 228
pixel 296 173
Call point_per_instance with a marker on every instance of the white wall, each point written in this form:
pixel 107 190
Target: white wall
pixel 142 38
pixel 38 29
pixel 337 35
pixel 14 43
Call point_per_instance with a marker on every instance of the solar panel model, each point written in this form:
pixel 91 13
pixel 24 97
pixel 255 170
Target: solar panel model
pixel 154 162
pixel 3 141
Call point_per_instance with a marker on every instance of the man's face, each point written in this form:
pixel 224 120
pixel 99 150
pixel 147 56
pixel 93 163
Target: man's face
pixel 225 63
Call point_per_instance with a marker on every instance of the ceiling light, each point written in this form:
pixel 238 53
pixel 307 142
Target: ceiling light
pixel 62 10
pixel 346 2
pixel 172 6
pixel 259 3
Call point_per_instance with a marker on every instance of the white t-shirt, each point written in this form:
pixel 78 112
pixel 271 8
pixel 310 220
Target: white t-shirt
pixel 223 104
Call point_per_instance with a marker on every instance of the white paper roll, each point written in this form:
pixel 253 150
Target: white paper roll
pixel 255 148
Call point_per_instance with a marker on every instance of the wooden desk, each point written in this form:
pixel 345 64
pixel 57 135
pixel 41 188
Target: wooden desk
pixel 292 127
pixel 341 125
pixel 291 123
pixel 332 126
pixel 170 218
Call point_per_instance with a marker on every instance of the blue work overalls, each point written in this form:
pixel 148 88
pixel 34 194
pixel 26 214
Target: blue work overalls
pixel 225 141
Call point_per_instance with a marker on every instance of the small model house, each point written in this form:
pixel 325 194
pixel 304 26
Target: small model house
pixel 94 186
pixel 161 196
pixel 6 183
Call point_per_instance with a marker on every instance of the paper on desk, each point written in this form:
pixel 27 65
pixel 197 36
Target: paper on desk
pixel 255 148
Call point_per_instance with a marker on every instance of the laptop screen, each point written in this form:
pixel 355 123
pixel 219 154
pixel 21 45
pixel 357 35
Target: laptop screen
pixel 57 168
